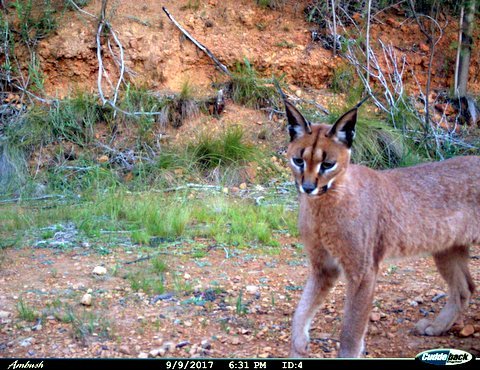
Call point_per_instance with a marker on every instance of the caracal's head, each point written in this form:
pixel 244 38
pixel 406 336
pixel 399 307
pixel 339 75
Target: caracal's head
pixel 319 154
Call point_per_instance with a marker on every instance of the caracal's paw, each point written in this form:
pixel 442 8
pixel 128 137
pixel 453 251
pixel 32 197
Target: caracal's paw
pixel 432 329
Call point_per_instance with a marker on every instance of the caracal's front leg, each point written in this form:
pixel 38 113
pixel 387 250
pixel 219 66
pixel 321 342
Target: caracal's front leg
pixel 324 272
pixel 358 304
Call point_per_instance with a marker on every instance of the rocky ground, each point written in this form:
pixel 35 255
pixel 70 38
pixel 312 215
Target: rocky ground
pixel 68 300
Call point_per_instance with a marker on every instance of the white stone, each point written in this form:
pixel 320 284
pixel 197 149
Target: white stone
pixel 99 270
pixel 87 299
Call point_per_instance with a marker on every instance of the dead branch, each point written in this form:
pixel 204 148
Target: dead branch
pixel 20 199
pixel 222 67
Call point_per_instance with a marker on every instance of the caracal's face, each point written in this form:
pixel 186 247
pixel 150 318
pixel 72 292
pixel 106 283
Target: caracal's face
pixel 318 154
pixel 317 160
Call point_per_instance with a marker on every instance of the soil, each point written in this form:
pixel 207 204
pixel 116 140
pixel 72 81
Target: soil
pixel 274 41
pixel 234 303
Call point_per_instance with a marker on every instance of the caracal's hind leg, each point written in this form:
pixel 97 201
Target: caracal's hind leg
pixel 324 271
pixel 453 266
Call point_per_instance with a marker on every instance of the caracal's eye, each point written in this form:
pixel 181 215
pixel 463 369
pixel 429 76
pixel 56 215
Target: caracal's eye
pixel 327 165
pixel 298 162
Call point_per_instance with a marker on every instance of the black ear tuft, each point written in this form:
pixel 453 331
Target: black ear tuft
pixel 344 129
pixel 297 124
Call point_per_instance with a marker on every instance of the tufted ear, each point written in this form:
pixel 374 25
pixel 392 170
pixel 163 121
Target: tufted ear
pixel 344 129
pixel 297 123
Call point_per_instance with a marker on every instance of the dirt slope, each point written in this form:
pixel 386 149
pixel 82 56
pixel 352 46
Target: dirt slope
pixel 273 41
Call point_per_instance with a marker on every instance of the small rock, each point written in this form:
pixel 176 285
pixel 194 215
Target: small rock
pixel 424 47
pixel 168 346
pixel 206 344
pixel 182 344
pixel 252 289
pixel 467 331
pixel 103 159
pixel 225 190
pixel 26 342
pixel 187 276
pixel 298 93
pixel 418 299
pixel 99 270
pixel 153 353
pixel 143 355
pixel 243 186
pixel 125 350
pixel 162 297
pixel 235 341
pixel 413 303
pixel 5 314
pixel 86 299
pixel 438 297
pixel 375 316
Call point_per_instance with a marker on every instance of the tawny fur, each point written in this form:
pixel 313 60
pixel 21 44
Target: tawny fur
pixel 367 215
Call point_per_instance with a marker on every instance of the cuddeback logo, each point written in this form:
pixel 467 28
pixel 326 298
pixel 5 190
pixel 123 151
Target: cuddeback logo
pixel 444 357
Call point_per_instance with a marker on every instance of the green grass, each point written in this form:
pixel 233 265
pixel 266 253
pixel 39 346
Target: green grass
pixel 228 221
pixel 272 4
pixel 25 312
pixel 343 79
pixel 210 151
pixel 251 90
pixel 146 282
pixel 35 21
pixel 87 323
pixel 285 44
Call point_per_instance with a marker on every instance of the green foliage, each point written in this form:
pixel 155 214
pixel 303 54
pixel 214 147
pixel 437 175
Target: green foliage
pixel 73 119
pixel 148 215
pixel 89 323
pixel 150 284
pixel 79 3
pixel 159 265
pixel 36 21
pixel 191 5
pixel 250 90
pixel 343 79
pixel 86 176
pixel 210 151
pixel 285 44
pixel 25 312
pixel 173 109
pixel 272 4
pixel 240 307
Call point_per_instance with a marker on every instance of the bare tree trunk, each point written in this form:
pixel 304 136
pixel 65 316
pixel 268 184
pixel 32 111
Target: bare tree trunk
pixel 334 16
pixel 457 61
pixel 466 47
pixel 367 41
